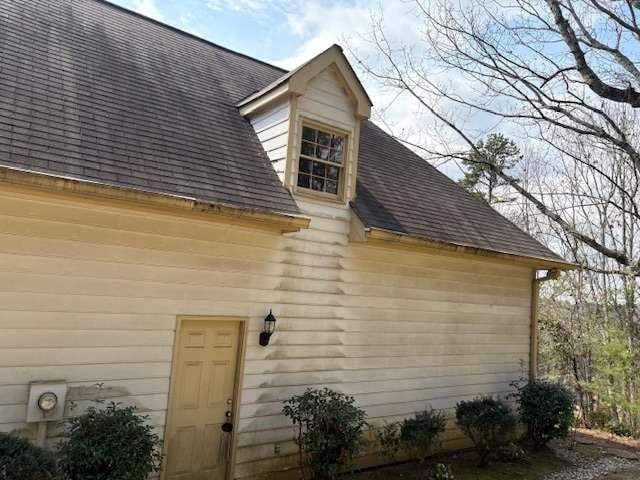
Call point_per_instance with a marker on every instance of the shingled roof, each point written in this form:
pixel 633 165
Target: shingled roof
pixel 400 192
pixel 93 92
pixel 96 93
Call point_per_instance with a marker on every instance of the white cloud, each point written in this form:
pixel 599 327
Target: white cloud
pixel 318 24
pixel 148 8
pixel 249 6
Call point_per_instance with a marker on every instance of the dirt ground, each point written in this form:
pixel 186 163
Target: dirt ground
pixel 617 446
pixel 627 474
pixel 593 453
pixel 607 440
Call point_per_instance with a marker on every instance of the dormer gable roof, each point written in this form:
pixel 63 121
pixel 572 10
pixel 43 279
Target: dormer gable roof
pixel 295 82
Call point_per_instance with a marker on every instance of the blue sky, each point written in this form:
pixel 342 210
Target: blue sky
pixel 248 26
pixel 279 31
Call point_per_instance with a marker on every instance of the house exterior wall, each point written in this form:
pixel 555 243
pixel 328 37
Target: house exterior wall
pixel 90 292
pixel 272 128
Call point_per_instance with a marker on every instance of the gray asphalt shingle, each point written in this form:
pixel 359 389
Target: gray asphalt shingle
pixel 398 191
pixel 94 92
pixel 90 91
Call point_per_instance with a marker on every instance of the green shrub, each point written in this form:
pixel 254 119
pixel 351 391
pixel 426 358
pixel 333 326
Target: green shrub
pixel 488 422
pixel 329 431
pixel 440 471
pixel 421 432
pixel 620 430
pixel 546 409
pixel 112 443
pixel 19 459
pixel 388 437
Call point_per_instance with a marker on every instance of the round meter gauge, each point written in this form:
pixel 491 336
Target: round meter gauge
pixel 47 401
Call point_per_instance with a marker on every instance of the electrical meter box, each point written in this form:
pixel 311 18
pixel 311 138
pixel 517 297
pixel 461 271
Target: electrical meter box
pixel 46 401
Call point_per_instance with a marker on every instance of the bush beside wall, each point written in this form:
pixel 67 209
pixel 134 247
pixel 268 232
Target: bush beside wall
pixel 488 422
pixel 546 409
pixel 19 459
pixel 111 443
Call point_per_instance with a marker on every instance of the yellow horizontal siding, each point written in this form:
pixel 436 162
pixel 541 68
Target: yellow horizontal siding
pixel 90 293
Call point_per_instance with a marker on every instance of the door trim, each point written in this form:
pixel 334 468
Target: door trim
pixel 243 326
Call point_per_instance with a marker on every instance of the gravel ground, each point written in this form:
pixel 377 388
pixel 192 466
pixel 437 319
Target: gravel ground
pixel 587 467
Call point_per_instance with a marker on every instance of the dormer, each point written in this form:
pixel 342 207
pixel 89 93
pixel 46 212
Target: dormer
pixel 309 124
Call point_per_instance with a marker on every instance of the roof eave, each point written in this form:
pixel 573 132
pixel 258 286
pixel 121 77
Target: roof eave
pixel 260 99
pixel 285 222
pixel 383 235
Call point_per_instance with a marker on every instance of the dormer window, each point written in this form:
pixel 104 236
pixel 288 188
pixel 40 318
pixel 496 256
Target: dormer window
pixel 320 166
pixel 308 123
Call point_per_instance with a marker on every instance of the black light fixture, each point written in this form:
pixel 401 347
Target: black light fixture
pixel 269 327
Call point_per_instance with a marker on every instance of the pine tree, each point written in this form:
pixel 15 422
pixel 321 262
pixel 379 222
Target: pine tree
pixel 479 177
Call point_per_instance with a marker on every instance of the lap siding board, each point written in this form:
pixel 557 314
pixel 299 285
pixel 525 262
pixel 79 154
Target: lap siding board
pixel 91 292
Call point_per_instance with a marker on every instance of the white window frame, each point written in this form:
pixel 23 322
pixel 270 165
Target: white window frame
pixel 342 167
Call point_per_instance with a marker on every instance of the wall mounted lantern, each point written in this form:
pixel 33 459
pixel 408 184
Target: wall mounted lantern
pixel 269 327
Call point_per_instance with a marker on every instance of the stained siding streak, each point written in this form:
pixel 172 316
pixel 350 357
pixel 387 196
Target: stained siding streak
pixel 399 331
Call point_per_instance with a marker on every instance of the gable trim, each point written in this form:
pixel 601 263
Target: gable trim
pixel 295 83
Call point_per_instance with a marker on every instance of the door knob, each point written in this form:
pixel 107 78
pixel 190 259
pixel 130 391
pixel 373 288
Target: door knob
pixel 227 427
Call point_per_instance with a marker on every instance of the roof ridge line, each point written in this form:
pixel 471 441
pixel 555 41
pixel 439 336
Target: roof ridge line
pixel 187 34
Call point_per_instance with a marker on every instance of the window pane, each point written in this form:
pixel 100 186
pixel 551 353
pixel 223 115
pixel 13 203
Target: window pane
pixel 304 180
pixel 319 169
pixel 308 149
pixel 332 187
pixel 322 153
pixel 327 148
pixel 335 156
pixel 309 134
pixel 337 142
pixel 324 138
pixel 317 183
pixel 305 165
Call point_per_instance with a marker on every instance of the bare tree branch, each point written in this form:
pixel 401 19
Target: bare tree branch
pixel 628 95
pixel 515 71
